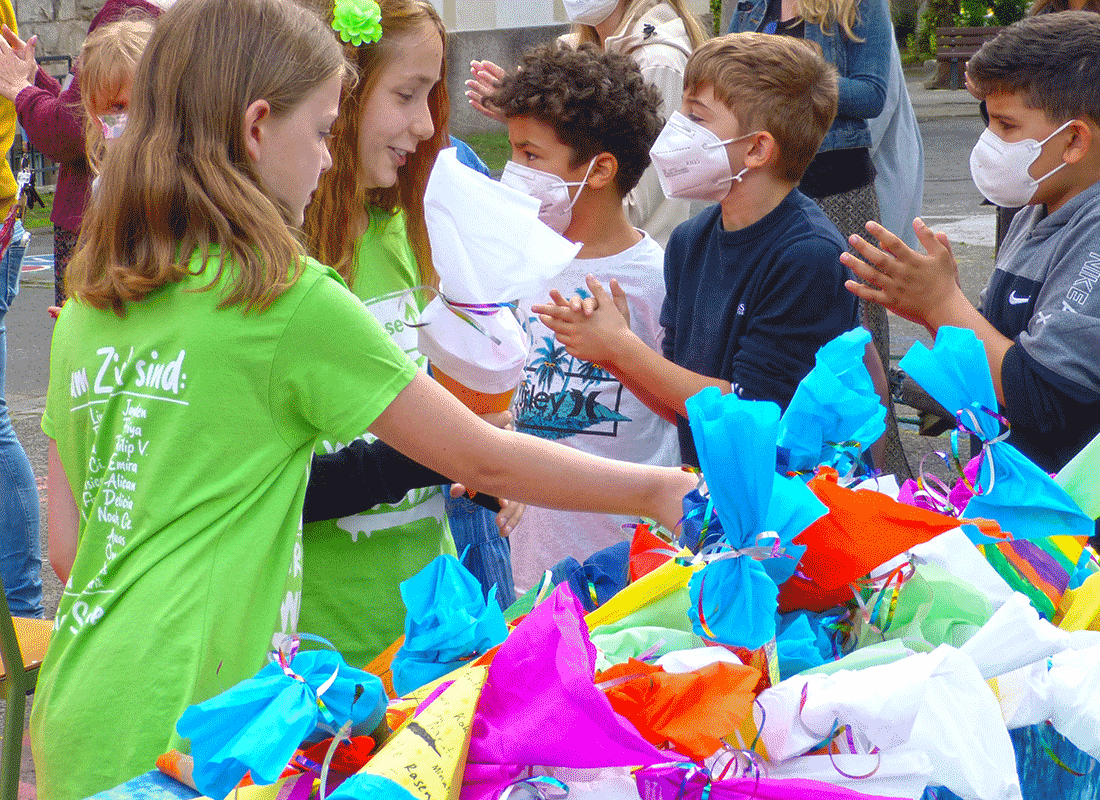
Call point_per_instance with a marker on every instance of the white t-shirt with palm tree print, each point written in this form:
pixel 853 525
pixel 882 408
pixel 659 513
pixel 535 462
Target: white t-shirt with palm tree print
pixel 580 405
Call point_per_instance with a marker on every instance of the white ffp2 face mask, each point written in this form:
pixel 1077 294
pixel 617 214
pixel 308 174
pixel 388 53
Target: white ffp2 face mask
pixel 551 191
pixel 589 12
pixel 692 162
pixel 1000 168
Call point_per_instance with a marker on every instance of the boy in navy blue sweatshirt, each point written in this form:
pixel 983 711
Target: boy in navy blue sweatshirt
pixel 754 284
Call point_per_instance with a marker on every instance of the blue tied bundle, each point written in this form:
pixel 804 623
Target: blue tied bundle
pixel 734 595
pixel 1011 489
pixel 447 623
pixel 257 725
pixel 835 413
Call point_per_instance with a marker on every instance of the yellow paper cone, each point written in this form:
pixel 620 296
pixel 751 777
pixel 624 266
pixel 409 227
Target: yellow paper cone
pixel 667 578
pixel 1082 606
pixel 428 754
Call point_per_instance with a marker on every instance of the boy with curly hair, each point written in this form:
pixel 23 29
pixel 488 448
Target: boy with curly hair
pixel 754 284
pixel 581 123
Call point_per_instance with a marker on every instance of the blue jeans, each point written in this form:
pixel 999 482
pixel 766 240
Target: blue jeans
pixel 20 547
pixel 490 556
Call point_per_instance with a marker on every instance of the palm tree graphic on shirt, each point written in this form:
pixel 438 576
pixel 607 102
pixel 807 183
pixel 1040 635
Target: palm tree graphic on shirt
pixel 560 397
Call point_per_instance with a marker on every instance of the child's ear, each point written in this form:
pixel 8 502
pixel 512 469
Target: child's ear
pixel 256 118
pixel 603 171
pixel 1084 135
pixel 763 151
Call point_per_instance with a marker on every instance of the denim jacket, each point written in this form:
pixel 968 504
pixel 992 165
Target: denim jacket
pixel 864 67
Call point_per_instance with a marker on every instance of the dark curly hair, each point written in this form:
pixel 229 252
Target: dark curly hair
pixel 596 102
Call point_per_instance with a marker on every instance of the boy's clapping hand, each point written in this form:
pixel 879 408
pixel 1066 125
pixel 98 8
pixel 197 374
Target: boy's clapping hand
pixel 590 328
pixel 921 288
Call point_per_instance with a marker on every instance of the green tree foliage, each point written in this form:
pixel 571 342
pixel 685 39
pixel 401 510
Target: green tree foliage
pixel 977 13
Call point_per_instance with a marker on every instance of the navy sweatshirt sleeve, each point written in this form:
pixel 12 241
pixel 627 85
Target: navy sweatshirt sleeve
pixel 1052 418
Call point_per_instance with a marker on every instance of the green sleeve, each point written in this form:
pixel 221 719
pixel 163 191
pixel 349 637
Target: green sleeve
pixel 337 366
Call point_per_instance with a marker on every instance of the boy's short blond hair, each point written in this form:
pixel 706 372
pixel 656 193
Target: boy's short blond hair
pixel 780 84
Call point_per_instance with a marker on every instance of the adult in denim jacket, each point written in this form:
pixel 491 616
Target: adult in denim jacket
pixel 863 66
pixel 841 178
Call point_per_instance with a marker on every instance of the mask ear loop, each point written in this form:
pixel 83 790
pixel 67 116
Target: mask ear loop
pixel 739 177
pixel 583 183
pixel 1054 133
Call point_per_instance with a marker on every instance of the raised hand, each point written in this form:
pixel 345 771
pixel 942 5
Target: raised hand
pixel 487 79
pixel 921 288
pixel 592 328
pixel 17 64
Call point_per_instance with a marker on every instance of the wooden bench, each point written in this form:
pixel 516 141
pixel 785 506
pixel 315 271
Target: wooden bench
pixel 955 46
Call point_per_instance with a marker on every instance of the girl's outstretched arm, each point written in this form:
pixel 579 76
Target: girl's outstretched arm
pixel 429 425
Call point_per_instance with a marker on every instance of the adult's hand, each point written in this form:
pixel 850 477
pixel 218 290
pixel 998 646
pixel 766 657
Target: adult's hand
pixel 17 64
pixel 487 79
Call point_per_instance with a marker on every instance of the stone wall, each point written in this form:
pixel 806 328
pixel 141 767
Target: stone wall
pixel 504 47
pixel 61 25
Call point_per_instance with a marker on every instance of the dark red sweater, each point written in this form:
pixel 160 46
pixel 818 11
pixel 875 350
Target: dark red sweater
pixel 54 122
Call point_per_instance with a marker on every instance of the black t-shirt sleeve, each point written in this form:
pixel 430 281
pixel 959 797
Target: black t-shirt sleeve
pixel 362 475
pixel 359 477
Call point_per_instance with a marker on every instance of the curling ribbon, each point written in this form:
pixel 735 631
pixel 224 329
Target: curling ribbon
pixel 464 311
pixel 540 787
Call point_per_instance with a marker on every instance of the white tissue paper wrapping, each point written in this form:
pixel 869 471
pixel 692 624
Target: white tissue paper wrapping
pixel 936 703
pixel 470 357
pixel 603 783
pixel 954 552
pixel 1074 686
pixel 488 246
pixel 896 774
pixel 1016 636
pixel 1062 689
pixel 883 484
pixel 693 660
pixel 1023 696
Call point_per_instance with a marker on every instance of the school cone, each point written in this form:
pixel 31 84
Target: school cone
pixel 478 402
pixel 427 755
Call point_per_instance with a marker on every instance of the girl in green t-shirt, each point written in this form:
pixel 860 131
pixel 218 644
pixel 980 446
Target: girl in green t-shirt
pixel 367 222
pixel 199 359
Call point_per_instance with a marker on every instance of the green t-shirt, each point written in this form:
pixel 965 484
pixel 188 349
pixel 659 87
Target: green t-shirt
pixel 186 433
pixel 354 566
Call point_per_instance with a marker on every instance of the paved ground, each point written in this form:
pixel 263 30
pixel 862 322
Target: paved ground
pixel 949 127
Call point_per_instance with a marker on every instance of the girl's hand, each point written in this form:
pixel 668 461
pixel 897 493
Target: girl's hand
pixel 668 505
pixel 487 79
pixel 17 64
pixel 921 288
pixel 510 512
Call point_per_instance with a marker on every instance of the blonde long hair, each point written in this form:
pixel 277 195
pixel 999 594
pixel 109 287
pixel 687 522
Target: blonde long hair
pixel 339 213
pixel 587 33
pixel 108 58
pixel 179 179
pixel 828 13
